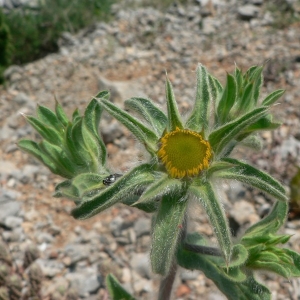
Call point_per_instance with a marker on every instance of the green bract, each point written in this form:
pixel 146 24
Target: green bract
pixel 185 159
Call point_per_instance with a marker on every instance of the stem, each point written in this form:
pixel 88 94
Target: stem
pixel 165 288
pixel 202 249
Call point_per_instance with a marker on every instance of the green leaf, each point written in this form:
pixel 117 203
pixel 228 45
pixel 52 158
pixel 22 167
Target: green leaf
pixel 91 120
pixel 239 80
pixel 83 156
pixel 222 136
pixel 253 142
pixel 248 89
pixel 60 114
pixel 163 186
pixel 295 266
pixel 216 166
pixel 295 190
pixel 272 97
pixel 143 134
pixel 272 266
pixel 86 183
pixel 76 116
pixel 115 289
pixel 126 185
pixel 246 102
pixel 256 77
pixel 71 148
pixel 268 256
pixel 48 117
pixel 149 207
pixel 271 223
pixel 200 115
pixel 92 146
pixel 206 196
pixel 249 289
pixel 34 149
pixel 103 94
pixel 66 167
pixel 267 240
pixel 265 123
pixel 174 120
pixel 216 89
pixel 152 114
pixel 238 257
pixel 166 232
pixel 227 100
pixel 92 116
pixel 68 190
pixel 48 133
pixel 252 176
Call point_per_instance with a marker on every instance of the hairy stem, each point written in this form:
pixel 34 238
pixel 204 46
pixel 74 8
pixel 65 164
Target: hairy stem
pixel 165 289
pixel 166 284
pixel 202 249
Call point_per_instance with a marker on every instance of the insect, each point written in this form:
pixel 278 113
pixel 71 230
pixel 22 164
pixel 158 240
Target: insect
pixel 111 179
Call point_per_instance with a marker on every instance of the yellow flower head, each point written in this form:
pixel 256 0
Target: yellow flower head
pixel 184 153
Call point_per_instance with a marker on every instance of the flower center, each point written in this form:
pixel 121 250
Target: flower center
pixel 184 153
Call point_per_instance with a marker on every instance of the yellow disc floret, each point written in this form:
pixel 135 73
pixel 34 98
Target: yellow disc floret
pixel 184 153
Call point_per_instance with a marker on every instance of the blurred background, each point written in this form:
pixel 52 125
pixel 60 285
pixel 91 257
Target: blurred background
pixel 73 49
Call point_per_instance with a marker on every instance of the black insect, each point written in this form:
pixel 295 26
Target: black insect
pixel 111 179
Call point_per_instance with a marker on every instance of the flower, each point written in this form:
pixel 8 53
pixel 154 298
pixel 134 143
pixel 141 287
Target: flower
pixel 184 153
pixel 185 157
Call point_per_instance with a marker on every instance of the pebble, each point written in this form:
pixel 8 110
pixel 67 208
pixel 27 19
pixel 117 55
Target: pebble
pixel 244 212
pixel 8 207
pixel 50 268
pixel 141 264
pixel 247 12
pixel 13 222
pixel 76 252
pixel 142 226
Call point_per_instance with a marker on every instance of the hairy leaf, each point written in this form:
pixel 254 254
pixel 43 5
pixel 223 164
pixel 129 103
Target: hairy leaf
pixel 252 176
pixel 115 289
pixel 199 118
pixel 143 134
pixel 167 232
pixel 222 136
pixel 173 114
pixel 206 196
pixel 152 114
pixel 126 185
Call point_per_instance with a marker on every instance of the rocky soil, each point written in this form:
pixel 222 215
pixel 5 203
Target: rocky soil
pixel 130 57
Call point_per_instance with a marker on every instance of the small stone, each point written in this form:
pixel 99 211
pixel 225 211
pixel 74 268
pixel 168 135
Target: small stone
pixel 142 285
pixel 116 226
pixel 140 263
pixel 188 275
pixel 142 226
pixel 85 282
pixel 50 268
pixel 182 291
pixel 21 99
pixel 291 146
pixel 11 208
pixel 243 211
pixel 12 222
pixel 248 12
pixel 236 191
pixel 44 237
pixel 264 209
pixel 256 2
pixel 77 252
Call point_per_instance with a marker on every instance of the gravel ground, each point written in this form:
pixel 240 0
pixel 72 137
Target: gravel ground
pixel 130 56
